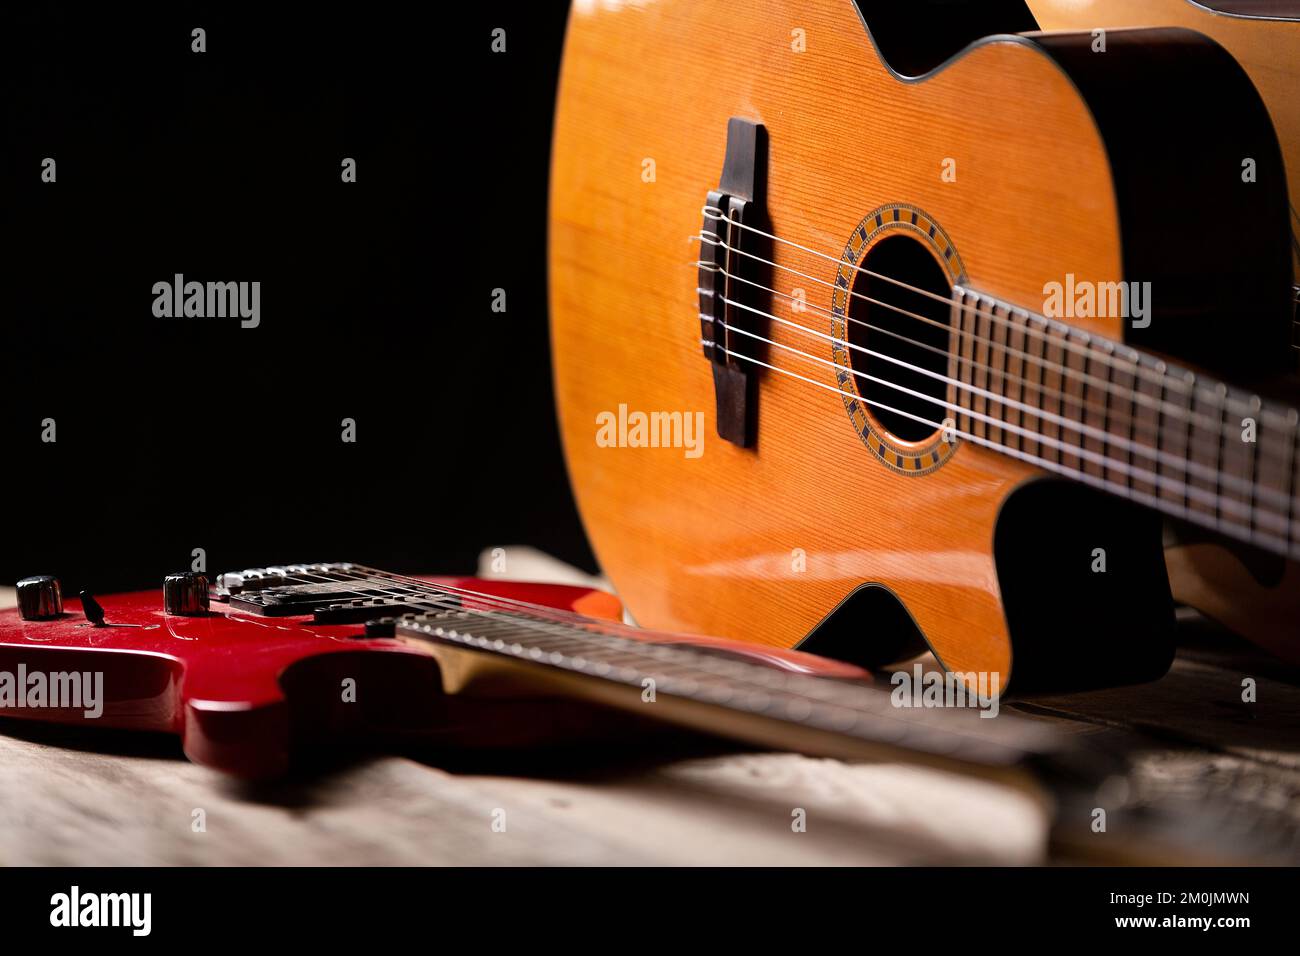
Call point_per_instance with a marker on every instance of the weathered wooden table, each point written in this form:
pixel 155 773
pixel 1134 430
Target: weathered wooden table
pixel 76 796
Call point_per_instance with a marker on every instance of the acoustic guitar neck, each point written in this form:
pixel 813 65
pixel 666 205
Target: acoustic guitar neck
pixel 1124 421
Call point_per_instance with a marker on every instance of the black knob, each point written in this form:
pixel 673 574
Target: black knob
pixel 185 593
pixel 39 598
pixel 93 610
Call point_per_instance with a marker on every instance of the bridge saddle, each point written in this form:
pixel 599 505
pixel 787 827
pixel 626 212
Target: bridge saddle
pixel 734 278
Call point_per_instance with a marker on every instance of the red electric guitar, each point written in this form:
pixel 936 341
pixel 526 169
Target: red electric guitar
pixel 259 669
pixel 274 660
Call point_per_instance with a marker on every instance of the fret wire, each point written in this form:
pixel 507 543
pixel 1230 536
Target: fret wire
pixel 1041 365
pixel 1075 403
pixel 996 378
pixel 1064 404
pixel 968 347
pixel 1105 422
pixel 1235 480
pixel 979 403
pixel 1198 450
pixel 1016 335
pixel 1186 431
pixel 1086 411
pixel 1164 393
pixel 956 335
pixel 1054 339
pixel 1131 416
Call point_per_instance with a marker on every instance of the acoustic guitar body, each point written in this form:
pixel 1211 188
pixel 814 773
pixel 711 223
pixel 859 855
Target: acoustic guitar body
pixel 833 524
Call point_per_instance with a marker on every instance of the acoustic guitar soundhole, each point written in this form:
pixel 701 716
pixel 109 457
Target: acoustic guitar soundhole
pixel 899 315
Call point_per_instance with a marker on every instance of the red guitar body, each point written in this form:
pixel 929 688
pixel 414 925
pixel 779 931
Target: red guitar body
pixel 246 692
pixel 242 690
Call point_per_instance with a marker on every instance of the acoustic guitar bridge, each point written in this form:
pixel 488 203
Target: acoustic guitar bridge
pixel 734 280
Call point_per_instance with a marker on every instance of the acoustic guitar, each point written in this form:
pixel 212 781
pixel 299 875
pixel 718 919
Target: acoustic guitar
pixel 869 338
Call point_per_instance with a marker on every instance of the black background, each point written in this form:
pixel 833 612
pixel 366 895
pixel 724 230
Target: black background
pixel 236 907
pixel 174 434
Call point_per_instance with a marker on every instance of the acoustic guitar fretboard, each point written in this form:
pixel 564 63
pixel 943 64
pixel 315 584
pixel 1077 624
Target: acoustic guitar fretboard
pixel 1113 417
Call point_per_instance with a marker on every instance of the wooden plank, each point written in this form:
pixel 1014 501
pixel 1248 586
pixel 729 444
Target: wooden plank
pixel 131 801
